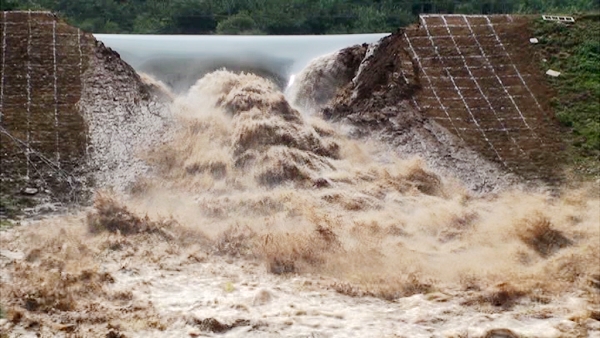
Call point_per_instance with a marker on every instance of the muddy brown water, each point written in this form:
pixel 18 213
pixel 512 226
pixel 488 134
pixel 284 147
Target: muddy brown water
pixel 262 220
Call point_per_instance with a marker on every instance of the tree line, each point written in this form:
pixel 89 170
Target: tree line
pixel 279 17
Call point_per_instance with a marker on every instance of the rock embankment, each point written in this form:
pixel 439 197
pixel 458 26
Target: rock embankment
pixel 73 113
pixel 464 93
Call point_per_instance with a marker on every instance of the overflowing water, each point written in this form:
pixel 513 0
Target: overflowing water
pixel 276 223
pixel 316 201
pixel 179 60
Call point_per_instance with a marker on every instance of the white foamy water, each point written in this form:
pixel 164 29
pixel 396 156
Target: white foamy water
pixel 291 81
pixel 304 306
pixel 318 83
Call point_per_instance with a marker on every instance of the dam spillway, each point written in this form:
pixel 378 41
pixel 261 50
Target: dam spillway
pixel 180 60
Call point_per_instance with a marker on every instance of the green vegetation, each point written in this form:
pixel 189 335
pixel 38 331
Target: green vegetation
pixel 5 224
pixel 574 50
pixel 11 207
pixel 273 16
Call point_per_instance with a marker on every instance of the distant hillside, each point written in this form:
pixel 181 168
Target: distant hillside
pixel 274 16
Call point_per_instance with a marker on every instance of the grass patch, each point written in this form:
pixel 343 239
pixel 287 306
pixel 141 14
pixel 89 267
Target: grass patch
pixel 11 207
pixel 6 224
pixel 574 50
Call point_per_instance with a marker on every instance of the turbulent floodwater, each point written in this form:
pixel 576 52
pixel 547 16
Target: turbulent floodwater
pixel 260 220
pixel 179 60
